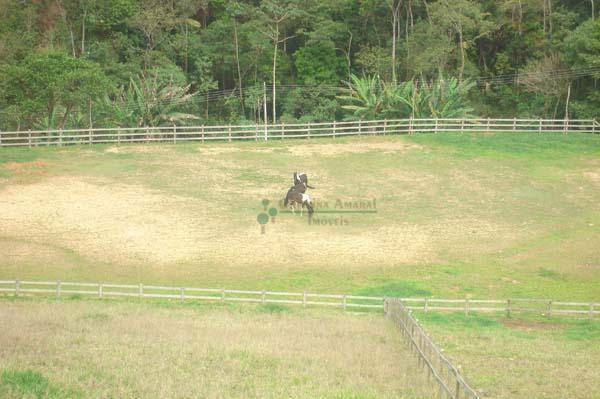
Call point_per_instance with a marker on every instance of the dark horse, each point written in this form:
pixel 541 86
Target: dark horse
pixel 296 196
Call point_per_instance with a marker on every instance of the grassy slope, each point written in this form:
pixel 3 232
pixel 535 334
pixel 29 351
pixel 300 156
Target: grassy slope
pixel 499 215
pixel 85 349
pixel 522 357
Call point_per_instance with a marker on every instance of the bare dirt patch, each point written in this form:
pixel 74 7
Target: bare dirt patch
pixel 27 168
pixel 354 147
pixel 103 221
pixel 532 325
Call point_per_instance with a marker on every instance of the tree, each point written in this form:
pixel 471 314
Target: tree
pixel 318 64
pixel 151 99
pixel 51 81
pixel 277 16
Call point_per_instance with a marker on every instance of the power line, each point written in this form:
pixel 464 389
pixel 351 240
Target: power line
pixel 214 95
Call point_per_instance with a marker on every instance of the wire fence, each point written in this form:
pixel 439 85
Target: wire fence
pixel 280 131
pixel 345 301
pixel 449 380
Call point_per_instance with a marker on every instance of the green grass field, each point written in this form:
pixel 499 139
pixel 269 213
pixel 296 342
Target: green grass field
pixel 522 357
pixel 487 216
pixel 484 216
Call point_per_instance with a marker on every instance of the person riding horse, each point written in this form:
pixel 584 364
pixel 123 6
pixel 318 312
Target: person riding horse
pixel 301 178
pixel 297 193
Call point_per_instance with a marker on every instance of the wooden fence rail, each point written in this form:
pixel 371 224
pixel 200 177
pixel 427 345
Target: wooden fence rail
pixel 345 301
pixel 278 131
pixel 449 380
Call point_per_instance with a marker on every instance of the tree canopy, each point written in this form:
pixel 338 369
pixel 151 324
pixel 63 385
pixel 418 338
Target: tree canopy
pixel 78 63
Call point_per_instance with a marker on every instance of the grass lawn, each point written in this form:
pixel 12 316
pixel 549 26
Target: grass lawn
pixel 522 357
pixel 481 215
pixel 86 349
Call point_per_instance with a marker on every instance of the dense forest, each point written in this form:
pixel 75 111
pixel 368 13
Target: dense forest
pixel 80 63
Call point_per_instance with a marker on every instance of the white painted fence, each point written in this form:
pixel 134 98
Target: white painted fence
pixel 175 134
pixel 449 380
pixel 347 302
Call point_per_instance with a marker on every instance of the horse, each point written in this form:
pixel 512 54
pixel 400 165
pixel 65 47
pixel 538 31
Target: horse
pixel 301 178
pixel 294 198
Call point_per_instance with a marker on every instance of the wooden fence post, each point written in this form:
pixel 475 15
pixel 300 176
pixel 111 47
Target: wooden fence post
pixel 100 290
pixel 60 138
pixel 435 129
pixel 58 289
pixel 309 130
pixel 344 301
pixel 466 306
pixel 565 123
pixel 488 124
pixel 550 308
pixel 229 133
pixel 360 127
pixel 263 297
pixel 410 125
pixel 426 306
pixel 202 133
pixel 182 294
pixel 89 135
pixel 17 288
pixel 29 136
pixel 462 125
pixel 282 130
pixel 508 308
pixel 514 124
pixel 141 290
pixel 384 127
pixel 118 135
pixel 540 126
pixel 334 128
pixel 174 134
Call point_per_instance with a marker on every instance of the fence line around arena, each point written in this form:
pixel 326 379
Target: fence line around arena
pixel 279 131
pixel 449 380
pixel 344 301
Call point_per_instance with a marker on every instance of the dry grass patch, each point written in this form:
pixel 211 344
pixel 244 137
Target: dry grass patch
pixel 136 350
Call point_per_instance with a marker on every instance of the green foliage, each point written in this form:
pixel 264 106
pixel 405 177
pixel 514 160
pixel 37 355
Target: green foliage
pixel 318 64
pixel 152 99
pixel 51 85
pixel 371 98
pixel 233 44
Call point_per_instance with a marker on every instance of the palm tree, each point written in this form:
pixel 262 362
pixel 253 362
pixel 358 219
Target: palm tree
pixel 150 102
pixel 365 96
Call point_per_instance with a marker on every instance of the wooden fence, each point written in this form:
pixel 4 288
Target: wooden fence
pixel 450 382
pixel 344 301
pixel 176 134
